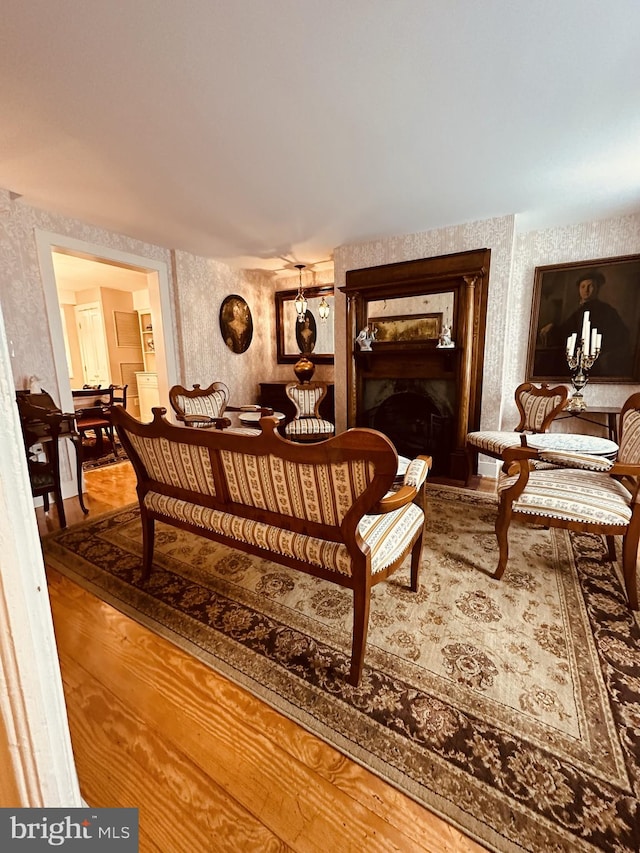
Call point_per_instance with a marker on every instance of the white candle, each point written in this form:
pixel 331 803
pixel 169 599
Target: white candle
pixel 594 340
pixel 571 344
pixel 586 333
pixel 599 342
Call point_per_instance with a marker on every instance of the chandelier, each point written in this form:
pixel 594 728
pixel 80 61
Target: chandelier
pixel 323 309
pixel 301 299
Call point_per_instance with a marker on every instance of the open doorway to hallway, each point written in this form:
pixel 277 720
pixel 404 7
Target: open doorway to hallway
pixel 107 325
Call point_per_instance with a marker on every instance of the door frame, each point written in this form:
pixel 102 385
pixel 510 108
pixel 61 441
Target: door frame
pixel 159 299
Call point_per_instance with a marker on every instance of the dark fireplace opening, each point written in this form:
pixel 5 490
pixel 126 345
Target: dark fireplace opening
pixel 415 420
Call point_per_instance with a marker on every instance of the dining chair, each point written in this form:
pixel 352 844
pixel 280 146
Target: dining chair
pixel 97 417
pixel 581 492
pixel 307 424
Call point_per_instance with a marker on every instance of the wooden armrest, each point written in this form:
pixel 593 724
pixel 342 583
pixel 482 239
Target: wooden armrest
pixel 199 419
pixel 394 500
pixel 417 471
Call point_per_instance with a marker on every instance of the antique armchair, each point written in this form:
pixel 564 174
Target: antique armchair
pixel 580 492
pixel 537 406
pixel 307 424
pixel 205 407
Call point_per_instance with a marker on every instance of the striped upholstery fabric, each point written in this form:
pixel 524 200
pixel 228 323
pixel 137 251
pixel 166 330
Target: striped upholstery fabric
pixel 309 426
pixel 629 452
pixel 416 473
pixel 536 409
pixel 176 463
pixel 572 495
pixel 571 459
pixel 386 535
pixel 493 442
pixel 306 399
pixel 212 404
pixel 322 493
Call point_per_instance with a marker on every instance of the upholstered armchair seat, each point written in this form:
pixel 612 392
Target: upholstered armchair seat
pixel 309 427
pixel 570 494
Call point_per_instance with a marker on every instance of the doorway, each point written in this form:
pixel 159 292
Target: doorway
pixel 156 276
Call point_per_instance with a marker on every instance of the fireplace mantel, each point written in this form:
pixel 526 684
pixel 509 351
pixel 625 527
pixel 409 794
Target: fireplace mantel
pixel 436 392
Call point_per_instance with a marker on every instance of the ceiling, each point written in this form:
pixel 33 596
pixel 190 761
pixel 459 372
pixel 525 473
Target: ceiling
pixel 268 132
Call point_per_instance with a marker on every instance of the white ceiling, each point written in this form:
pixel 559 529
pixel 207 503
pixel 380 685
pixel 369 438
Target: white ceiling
pixel 263 132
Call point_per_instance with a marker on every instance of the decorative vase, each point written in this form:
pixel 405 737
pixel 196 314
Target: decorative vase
pixel 304 369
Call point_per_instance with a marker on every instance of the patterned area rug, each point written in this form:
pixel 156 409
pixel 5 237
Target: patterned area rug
pixel 96 456
pixel 511 708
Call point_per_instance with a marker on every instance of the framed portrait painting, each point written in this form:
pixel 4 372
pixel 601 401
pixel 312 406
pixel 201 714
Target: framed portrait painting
pixel 609 290
pixel 236 323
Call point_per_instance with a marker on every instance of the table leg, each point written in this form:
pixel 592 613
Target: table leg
pixel 77 443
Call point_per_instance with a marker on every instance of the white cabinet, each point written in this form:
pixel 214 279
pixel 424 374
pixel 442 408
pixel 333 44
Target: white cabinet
pixel 148 394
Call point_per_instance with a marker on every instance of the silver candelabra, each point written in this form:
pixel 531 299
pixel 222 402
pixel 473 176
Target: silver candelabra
pixel 580 364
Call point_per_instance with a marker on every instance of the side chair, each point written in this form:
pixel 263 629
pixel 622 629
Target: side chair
pixel 580 492
pixel 97 418
pixel 206 407
pixel 537 406
pixel 307 424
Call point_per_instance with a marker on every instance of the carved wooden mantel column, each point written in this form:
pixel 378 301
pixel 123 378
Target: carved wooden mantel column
pixel 466 373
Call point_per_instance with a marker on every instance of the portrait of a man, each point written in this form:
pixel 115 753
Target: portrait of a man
pixel 610 292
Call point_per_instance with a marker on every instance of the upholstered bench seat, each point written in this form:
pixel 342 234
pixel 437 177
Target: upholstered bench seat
pixel 572 495
pixel 387 535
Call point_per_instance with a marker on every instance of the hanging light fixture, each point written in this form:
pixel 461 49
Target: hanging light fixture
pixel 323 309
pixel 301 299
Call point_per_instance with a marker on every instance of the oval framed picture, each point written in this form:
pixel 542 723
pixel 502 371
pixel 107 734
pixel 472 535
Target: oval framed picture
pixel 306 333
pixel 236 323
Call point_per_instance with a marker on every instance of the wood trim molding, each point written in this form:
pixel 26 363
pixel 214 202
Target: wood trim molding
pixel 34 733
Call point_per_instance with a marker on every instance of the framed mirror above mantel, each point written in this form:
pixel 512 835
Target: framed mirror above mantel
pixel 312 335
pixel 419 386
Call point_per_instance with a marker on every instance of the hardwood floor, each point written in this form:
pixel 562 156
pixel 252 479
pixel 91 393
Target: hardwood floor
pixel 210 767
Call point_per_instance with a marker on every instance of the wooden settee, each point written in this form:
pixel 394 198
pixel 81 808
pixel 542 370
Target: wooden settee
pixel 327 509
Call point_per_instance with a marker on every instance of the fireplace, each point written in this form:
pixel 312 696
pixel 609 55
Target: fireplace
pixel 424 396
pixel 417 415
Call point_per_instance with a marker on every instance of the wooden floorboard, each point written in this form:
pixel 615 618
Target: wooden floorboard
pixel 210 766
